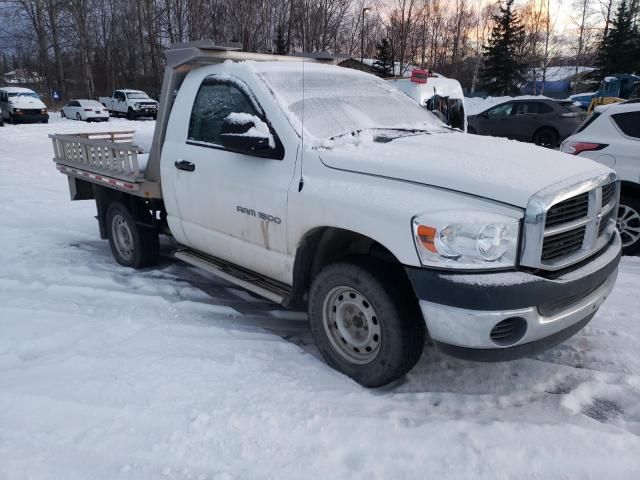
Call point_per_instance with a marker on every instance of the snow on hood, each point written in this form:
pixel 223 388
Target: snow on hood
pixel 496 168
pixel 26 102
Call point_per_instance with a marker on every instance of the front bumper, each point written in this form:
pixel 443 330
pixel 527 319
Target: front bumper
pixel 29 117
pixel 462 309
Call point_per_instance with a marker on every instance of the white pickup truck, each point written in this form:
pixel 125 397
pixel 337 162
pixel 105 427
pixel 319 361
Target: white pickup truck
pixel 132 103
pixel 347 198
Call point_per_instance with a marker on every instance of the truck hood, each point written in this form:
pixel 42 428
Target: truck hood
pixel 27 103
pixel 496 168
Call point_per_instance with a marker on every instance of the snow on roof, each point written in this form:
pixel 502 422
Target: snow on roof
pixel 17 90
pixel 558 73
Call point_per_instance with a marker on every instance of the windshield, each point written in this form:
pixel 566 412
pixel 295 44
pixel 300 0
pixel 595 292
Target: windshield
pixel 338 101
pixel 136 95
pixel 23 94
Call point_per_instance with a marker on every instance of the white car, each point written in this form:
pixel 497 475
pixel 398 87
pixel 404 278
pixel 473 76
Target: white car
pixel 86 110
pixel 611 136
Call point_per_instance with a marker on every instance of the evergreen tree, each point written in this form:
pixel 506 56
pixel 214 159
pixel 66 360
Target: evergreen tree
pixel 280 41
pixel 503 68
pixel 619 50
pixel 384 58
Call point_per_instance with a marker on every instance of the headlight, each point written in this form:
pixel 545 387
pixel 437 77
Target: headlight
pixel 136 106
pixel 16 110
pixel 466 239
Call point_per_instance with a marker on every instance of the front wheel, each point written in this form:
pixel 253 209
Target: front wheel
pixel 364 324
pixel 628 224
pixel 131 115
pixel 132 245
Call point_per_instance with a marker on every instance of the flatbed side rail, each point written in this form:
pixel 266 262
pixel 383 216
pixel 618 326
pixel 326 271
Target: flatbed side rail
pixel 105 152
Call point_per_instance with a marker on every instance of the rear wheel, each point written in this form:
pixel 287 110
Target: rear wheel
pixel 546 137
pixel 628 224
pixel 363 322
pixel 62 115
pixel 78 116
pixel 132 245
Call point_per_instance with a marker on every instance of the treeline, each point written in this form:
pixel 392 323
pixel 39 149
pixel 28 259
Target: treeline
pixel 84 48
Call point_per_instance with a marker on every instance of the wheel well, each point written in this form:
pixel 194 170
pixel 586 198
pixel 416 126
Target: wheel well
pixel 630 188
pixel 325 245
pixel 148 213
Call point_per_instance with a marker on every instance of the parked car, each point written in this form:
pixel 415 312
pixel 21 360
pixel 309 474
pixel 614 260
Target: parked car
pixel 611 136
pixel 132 103
pixel 440 95
pixel 21 105
pixel 544 122
pixel 85 110
pixel 386 225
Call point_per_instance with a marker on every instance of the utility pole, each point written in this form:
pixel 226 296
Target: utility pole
pixel 365 10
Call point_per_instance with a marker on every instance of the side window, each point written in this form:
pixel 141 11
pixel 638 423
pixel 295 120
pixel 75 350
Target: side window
pixel 629 123
pixel 501 111
pixel 543 108
pixel 214 102
pixel 75 104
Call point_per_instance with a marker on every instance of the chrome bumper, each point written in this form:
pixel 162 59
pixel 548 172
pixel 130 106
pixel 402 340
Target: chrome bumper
pixel 471 328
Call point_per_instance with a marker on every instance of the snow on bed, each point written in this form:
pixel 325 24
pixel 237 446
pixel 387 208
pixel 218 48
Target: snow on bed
pixel 168 373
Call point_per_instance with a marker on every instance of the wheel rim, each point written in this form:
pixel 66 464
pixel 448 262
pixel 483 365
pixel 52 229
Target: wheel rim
pixel 78 116
pixel 122 236
pixel 628 224
pixel 352 325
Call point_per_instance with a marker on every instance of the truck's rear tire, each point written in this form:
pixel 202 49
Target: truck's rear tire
pixel 365 324
pixel 132 245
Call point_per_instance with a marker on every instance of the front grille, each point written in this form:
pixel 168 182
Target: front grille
pixel 561 228
pixel 32 111
pixel 608 191
pixel 568 210
pixel 604 223
pixel 563 244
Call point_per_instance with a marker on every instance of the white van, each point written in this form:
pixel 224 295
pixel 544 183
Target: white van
pixel 21 105
pixel 440 95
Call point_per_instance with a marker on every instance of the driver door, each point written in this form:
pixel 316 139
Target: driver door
pixel 232 205
pixel 497 121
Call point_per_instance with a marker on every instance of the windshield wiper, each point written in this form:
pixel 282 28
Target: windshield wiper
pixel 408 131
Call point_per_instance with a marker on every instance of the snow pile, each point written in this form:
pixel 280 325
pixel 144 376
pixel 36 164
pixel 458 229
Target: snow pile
pixel 110 373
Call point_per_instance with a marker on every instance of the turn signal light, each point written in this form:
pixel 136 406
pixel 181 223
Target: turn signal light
pixel 427 236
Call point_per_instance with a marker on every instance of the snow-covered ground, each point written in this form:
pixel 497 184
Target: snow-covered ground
pixel 111 373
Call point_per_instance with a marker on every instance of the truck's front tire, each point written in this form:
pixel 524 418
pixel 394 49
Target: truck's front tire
pixel 364 323
pixel 132 245
pixel 131 115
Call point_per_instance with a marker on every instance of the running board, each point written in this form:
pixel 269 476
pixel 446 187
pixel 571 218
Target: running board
pixel 254 282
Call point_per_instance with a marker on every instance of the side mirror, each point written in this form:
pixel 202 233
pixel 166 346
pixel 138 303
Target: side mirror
pixel 246 133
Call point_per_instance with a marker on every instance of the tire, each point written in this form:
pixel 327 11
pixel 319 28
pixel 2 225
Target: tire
pixel 546 137
pixel 382 334
pixel 132 245
pixel 62 115
pixel 130 114
pixel 45 121
pixel 78 116
pixel 628 224
pixel 471 130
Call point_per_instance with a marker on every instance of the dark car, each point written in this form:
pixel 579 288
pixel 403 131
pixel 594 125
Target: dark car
pixel 544 122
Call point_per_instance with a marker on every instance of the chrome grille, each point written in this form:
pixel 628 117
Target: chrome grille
pixel 563 243
pixel 570 223
pixel 568 210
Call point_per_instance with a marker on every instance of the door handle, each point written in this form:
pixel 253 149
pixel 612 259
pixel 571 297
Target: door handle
pixel 184 165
